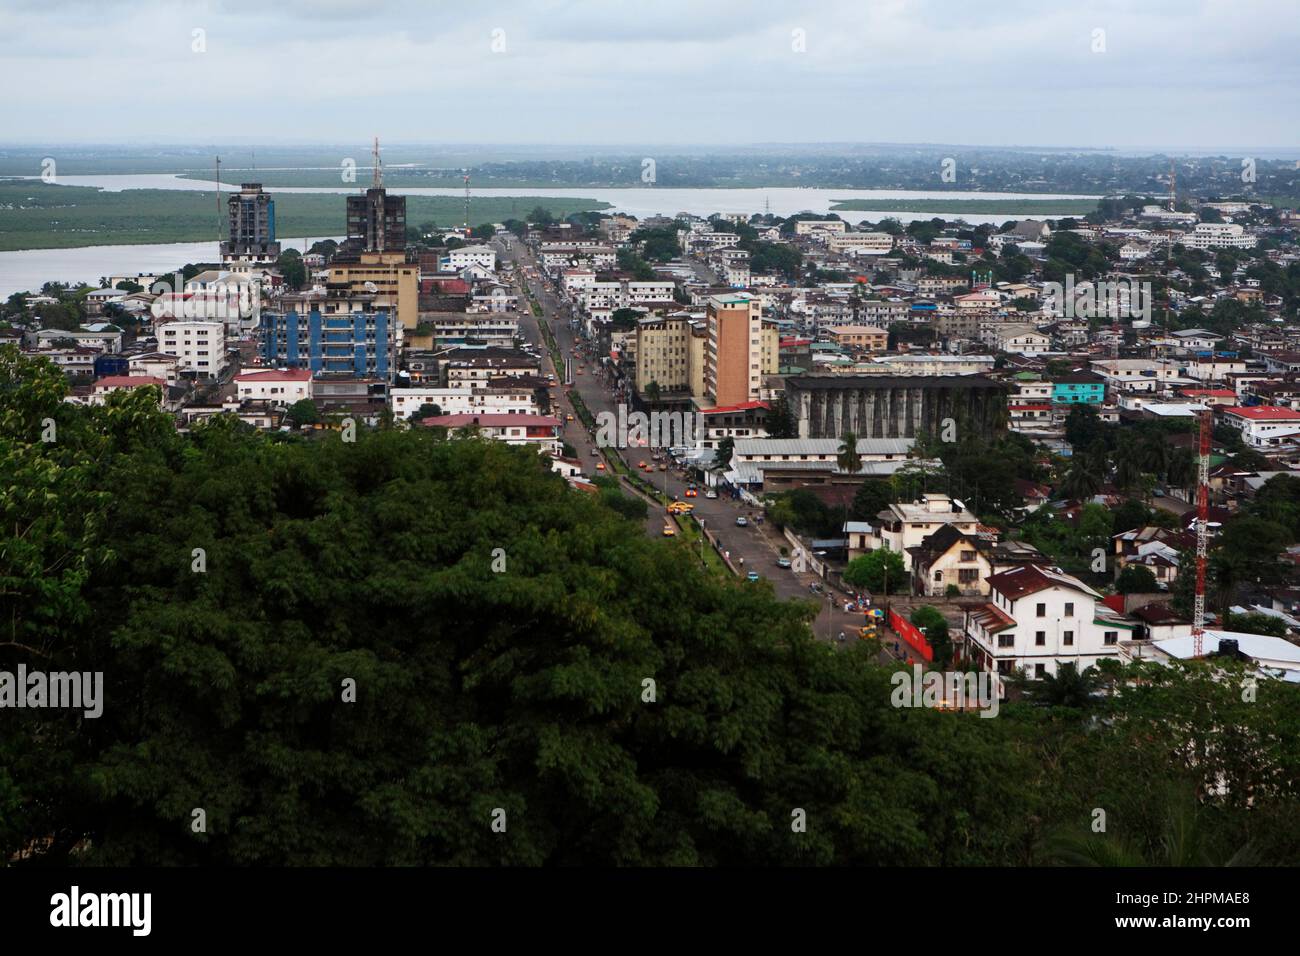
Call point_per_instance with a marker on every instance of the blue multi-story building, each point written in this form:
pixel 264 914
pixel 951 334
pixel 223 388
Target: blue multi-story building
pixel 357 343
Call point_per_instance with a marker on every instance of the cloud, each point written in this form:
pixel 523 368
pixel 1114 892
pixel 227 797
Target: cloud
pixel 618 71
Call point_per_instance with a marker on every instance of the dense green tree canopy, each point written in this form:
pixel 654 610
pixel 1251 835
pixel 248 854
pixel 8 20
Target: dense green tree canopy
pixel 500 628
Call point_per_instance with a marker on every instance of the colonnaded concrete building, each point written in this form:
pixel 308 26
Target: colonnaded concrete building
pixel 890 406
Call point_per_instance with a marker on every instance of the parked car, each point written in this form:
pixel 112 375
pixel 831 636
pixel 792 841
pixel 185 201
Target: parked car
pixel 783 562
pixel 595 453
pixel 741 521
pixel 711 494
pixel 751 576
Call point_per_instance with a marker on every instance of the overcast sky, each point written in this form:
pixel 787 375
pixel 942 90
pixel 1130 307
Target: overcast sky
pixel 1008 72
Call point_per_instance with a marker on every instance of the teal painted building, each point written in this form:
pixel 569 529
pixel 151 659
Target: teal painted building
pixel 1078 390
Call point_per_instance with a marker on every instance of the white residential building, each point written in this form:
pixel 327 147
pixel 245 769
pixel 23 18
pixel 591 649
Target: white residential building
pixel 1264 425
pixel 1037 619
pixel 456 259
pixel 278 386
pixel 1219 235
pixel 200 345
pixel 463 400
pixel 861 243
pixel 903 526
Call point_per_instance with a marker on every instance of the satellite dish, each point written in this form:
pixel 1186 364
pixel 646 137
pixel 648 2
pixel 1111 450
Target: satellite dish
pixel 371 287
pixel 959 504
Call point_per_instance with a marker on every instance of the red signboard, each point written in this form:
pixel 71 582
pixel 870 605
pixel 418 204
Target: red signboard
pixel 911 634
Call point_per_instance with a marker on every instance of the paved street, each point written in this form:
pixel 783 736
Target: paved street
pixel 757 545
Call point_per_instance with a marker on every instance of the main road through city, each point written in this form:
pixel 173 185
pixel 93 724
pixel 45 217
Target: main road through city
pixel 758 544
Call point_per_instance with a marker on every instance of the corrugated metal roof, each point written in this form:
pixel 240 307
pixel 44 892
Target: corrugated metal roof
pixel 820 446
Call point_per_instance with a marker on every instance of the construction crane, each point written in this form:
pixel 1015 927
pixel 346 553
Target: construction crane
pixel 1202 528
pixel 1173 181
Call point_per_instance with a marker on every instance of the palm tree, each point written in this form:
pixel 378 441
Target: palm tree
pixel 1068 687
pixel 1128 465
pixel 848 458
pixel 1154 456
pixel 1182 844
pixel 1181 472
pixel 1083 480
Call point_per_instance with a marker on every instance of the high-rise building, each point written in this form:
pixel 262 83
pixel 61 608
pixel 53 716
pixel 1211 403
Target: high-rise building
pixel 334 334
pixel 251 227
pixel 387 276
pixel 733 357
pixel 376 222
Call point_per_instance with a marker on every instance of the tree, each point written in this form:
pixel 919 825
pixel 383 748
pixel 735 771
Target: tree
pixel 1083 427
pixel 1084 479
pixel 1136 579
pixel 302 412
pixel 540 216
pixel 366 670
pixel 725 450
pixel 872 497
pixel 58 315
pixel 930 620
pixel 778 421
pixel 1253 622
pixel 848 458
pixel 291 267
pixel 1131 514
pixel 880 572
pixel 1068 687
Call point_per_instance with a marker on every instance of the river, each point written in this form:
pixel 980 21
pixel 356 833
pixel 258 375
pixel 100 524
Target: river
pixel 30 268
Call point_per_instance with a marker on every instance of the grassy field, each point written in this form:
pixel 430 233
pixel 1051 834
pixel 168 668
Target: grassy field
pixel 954 208
pixel 35 215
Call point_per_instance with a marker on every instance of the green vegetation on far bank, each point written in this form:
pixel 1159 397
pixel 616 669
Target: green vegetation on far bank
pixel 37 215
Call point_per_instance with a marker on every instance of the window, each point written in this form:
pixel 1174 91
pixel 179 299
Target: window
pixel 968 575
pixel 1110 637
pixel 1042 610
pixel 1069 609
pixel 968 555
pixel 938 575
pixel 1040 638
pixel 1067 637
pixel 1006 640
pixel 1004 667
pixel 1040 670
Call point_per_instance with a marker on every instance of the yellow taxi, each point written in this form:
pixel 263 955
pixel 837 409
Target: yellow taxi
pixel 680 508
pixel 669 531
